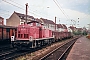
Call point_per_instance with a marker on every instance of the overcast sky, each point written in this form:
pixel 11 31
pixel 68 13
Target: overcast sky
pixel 76 10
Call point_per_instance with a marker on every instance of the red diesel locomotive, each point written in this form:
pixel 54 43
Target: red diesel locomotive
pixel 33 34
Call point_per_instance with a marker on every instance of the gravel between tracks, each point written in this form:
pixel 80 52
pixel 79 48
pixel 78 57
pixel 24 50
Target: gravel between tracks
pixel 40 53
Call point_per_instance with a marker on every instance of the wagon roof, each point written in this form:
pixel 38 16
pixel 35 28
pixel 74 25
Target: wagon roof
pixel 4 26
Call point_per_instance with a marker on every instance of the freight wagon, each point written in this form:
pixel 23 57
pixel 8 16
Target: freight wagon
pixel 5 34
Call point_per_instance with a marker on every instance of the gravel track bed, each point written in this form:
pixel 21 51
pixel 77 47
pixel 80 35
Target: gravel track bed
pixel 40 53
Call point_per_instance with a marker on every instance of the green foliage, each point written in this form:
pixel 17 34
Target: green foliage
pixel 79 32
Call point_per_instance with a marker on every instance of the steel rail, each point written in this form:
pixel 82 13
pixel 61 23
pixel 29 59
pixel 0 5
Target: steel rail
pixel 55 50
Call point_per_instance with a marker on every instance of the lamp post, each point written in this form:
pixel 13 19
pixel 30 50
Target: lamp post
pixel 26 11
pixel 55 23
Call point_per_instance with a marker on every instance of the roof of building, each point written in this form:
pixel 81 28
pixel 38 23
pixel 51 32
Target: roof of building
pixel 38 20
pixel 64 26
pixel 23 16
pixel 59 26
pixel 1 17
pixel 72 27
pixel 4 26
pixel 41 20
pixel 47 21
pixel 79 29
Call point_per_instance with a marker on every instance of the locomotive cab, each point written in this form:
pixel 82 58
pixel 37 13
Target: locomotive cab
pixel 23 32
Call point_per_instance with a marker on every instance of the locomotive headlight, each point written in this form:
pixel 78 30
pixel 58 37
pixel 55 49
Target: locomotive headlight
pixel 12 38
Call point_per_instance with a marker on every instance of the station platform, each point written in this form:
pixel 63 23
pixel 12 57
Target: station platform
pixel 80 50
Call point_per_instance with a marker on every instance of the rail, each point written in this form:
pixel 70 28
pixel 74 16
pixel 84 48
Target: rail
pixel 58 53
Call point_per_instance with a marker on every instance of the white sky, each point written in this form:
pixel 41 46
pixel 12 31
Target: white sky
pixel 38 8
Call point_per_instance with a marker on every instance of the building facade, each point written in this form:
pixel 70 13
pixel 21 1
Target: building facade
pixel 18 19
pixel 1 21
pixel 49 24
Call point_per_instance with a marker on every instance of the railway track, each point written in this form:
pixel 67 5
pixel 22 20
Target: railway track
pixel 13 53
pixel 6 53
pixel 59 53
pixel 5 47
